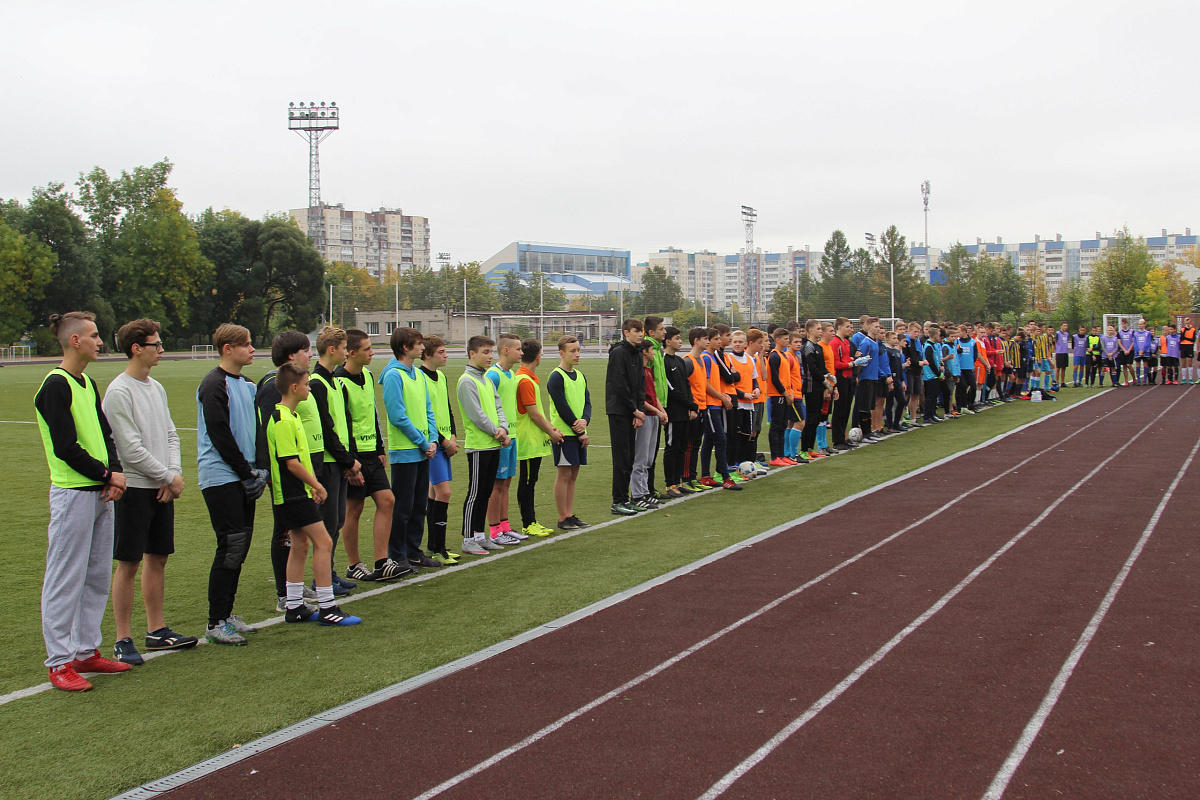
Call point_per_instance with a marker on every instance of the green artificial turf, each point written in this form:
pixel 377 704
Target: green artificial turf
pixel 188 706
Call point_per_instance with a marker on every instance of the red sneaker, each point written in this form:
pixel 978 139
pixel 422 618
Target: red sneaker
pixel 707 480
pixel 780 462
pixel 790 462
pixel 98 663
pixel 815 454
pixel 65 678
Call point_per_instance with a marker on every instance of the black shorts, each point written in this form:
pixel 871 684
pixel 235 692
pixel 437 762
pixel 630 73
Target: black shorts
pixel 1062 360
pixel 1022 373
pixel 375 479
pixel 569 453
pixel 1187 351
pixel 1125 359
pixel 1007 371
pixel 296 514
pixel 143 525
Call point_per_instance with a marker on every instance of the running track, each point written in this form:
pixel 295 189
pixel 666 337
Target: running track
pixel 1019 622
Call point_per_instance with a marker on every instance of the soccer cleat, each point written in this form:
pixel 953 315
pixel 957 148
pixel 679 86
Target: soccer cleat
pixel 699 486
pixel 240 625
pixel 673 493
pixel 736 477
pixel 335 616
pixel 729 484
pixel 709 481
pixel 445 562
pixel 65 678
pixel 814 455
pixel 125 652
pixel 537 529
pixel 426 562
pixel 223 633
pixel 517 535
pixel 568 524
pixel 391 570
pixel 166 639
pixel 488 543
pixel 359 572
pixel 473 547
pixel 506 539
pixel 301 613
pixel 98 663
pixel 623 510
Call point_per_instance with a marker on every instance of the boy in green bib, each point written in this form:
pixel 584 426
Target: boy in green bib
pixel 534 434
pixel 501 375
pixel 85 477
pixel 486 430
pixel 570 412
pixel 440 472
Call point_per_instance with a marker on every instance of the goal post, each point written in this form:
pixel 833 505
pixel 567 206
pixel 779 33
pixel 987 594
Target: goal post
pixel 201 351
pixel 1115 321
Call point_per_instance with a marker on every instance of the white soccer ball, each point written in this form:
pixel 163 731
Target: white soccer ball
pixel 855 435
pixel 747 470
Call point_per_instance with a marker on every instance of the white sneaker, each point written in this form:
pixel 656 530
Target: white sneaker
pixel 488 543
pixel 506 539
pixel 240 625
pixel 520 537
pixel 473 547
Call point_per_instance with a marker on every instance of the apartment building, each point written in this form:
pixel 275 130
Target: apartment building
pixel 372 240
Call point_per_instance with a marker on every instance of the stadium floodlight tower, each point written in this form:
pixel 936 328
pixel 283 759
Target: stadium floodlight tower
pixel 314 122
pixel 925 196
pixel 749 217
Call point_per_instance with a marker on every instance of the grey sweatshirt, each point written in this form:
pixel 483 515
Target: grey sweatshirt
pixel 468 401
pixel 147 442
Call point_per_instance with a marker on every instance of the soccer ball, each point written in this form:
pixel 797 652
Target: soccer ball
pixel 855 435
pixel 747 470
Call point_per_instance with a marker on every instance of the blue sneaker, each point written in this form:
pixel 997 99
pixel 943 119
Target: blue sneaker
pixel 338 589
pixel 301 613
pixel 126 652
pixel 340 581
pixel 335 616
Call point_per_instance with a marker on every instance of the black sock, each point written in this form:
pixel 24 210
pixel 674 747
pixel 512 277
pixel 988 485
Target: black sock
pixel 279 558
pixel 438 511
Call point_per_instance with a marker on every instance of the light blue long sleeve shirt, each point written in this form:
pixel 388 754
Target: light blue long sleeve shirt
pixel 398 414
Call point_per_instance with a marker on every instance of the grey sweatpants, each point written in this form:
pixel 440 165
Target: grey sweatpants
pixel 645 448
pixel 78 573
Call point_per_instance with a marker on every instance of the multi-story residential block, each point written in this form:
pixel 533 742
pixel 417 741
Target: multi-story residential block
pixel 377 241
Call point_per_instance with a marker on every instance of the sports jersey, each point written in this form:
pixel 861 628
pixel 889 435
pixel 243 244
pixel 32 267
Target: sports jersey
pixel 709 364
pixel 1109 345
pixel 1078 345
pixel 1093 344
pixel 1126 340
pixel 953 367
pixel 1169 345
pixel 1062 343
pixel 1013 353
pixel 1141 342
pixel 965 350
pixel 287 440
pixel 868 347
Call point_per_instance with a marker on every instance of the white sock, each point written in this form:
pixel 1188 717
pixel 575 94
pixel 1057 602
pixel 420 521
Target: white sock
pixel 325 596
pixel 295 594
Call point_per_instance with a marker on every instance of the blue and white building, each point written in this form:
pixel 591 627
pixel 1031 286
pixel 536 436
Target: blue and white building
pixel 578 271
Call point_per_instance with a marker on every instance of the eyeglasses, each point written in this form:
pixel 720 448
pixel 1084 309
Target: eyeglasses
pixel 157 345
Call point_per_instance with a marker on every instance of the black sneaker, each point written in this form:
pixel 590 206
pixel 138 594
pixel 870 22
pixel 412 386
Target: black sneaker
pixel 359 572
pixel 345 584
pixel 335 616
pixel 391 570
pixel 425 561
pixel 301 613
pixel 567 524
pixel 125 652
pixel 167 639
pixel 579 523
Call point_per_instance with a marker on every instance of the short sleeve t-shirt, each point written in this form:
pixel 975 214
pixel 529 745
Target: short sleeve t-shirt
pixel 286 440
pixel 526 390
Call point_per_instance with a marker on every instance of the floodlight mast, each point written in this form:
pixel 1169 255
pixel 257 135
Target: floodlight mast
pixel 314 122
pixel 749 217
pixel 925 195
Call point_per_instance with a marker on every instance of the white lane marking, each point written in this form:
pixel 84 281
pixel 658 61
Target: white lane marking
pixel 1025 742
pixel 153 789
pixel 535 737
pixel 755 758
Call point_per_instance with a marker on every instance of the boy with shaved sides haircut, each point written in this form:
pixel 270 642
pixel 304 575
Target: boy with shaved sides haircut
pixel 412 443
pixel 502 376
pixel 295 494
pixel 745 395
pixel 535 437
pixel 570 407
pixel 698 385
pixel 226 439
pixel 85 475
pixel 367 443
pixel 778 386
pixel 148 446
pixel 440 473
pixel 486 433
pixel 681 412
pixel 624 393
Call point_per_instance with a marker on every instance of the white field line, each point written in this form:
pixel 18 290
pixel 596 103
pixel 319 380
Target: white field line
pixel 1025 742
pixel 755 758
pixel 538 735
pixel 565 535
pixel 296 730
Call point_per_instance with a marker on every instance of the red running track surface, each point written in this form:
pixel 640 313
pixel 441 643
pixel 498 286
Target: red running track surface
pixel 936 715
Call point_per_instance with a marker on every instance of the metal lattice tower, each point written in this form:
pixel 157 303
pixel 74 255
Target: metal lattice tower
pixel 925 195
pixel 749 217
pixel 314 122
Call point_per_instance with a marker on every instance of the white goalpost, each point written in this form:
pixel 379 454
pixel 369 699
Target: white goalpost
pixel 200 351
pixel 1115 321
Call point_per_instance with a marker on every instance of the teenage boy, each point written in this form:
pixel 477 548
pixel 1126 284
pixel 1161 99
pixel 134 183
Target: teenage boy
pixel 1014 363
pixel 1168 349
pixel 754 349
pixel 1142 343
pixel 570 409
pixel 1093 357
pixel 718 402
pixel 681 411
pixel 288 347
pixel 698 384
pixel 508 354
pixel 1125 340
pixel 793 438
pixel 656 334
pixel 915 375
pixel 1079 343
pixel 367 442
pixel 964 347
pixel 296 492
pixel 780 405
pixel 334 464
pixel 624 393
pixel 815 387
pixel 886 380
pixel 843 362
pixel 486 430
pixel 226 434
pixel 727 377
pixel 1187 351
pixel 646 440
pixel 952 375
pixel 894 421
pixel 85 474
pixel 412 442
pixel 535 437
pixel 746 392
pixel 931 372
pixel 148 446
pixel 1110 354
pixel 867 357
pixel 433 359
pixel 1062 354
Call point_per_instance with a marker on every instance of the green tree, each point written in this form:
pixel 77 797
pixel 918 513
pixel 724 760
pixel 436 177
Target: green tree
pixel 660 292
pixel 957 300
pixel 226 240
pixel 157 269
pixel 286 284
pixel 998 285
pixel 895 265
pixel 481 295
pixel 782 307
pixel 1072 306
pixel 1155 299
pixel 1118 274
pixel 835 274
pixel 26 267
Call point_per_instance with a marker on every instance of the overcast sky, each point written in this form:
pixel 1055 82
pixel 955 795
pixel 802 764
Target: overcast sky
pixel 632 125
